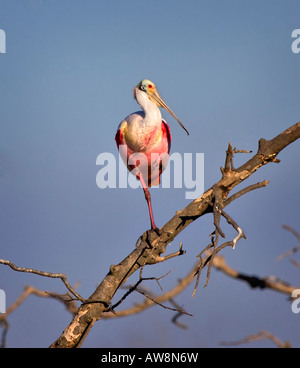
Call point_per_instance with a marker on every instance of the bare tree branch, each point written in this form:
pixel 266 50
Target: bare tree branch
pixel 219 264
pixel 262 335
pixel 155 299
pixel 245 190
pixel 294 249
pixel 254 281
pixel 45 274
pixel 293 231
pixel 151 245
pixel 30 290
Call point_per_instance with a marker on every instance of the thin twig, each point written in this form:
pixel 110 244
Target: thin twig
pixel 262 335
pixel 293 231
pixel 45 274
pixel 202 263
pixel 215 241
pixel 162 305
pixel 244 191
pixel 229 158
pixel 217 249
pixel 240 151
pixel 180 252
pixel 294 249
pixel 177 315
pixel 217 209
pixel 5 325
pixel 295 263
pixel 236 227
pixel 134 287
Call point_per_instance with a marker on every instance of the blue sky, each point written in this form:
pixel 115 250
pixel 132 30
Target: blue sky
pixel 227 70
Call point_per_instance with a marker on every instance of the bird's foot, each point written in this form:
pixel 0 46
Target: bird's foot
pixel 156 230
pixel 152 234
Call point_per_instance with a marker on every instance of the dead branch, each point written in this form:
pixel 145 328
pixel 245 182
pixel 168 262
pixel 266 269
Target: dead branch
pixel 244 191
pixel 294 249
pixel 155 299
pixel 151 245
pixel 30 290
pixel 293 231
pixel 295 263
pixel 269 282
pixel 213 248
pixel 262 335
pixel 219 264
pixel 45 274
pixel 178 310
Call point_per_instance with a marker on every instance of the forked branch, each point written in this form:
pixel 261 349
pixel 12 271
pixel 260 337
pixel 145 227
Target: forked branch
pixel 151 245
pixel 61 276
pixel 148 251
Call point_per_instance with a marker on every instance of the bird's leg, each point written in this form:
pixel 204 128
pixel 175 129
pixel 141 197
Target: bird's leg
pixel 148 199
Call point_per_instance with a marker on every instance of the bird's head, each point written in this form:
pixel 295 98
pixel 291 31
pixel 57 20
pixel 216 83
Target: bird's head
pixel 149 88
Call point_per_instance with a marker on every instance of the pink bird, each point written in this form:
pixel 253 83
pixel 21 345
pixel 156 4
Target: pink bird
pixel 144 139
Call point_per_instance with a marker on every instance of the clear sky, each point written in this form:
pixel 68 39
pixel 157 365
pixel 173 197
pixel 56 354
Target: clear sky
pixel 227 70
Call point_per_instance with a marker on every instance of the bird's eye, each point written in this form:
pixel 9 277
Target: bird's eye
pixel 149 85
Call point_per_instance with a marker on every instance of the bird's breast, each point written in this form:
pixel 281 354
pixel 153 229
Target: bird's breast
pixel 145 150
pixel 140 137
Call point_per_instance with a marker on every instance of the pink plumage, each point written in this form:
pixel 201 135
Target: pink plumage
pixel 144 139
pixel 153 161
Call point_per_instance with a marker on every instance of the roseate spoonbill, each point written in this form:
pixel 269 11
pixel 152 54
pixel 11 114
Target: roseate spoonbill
pixel 144 139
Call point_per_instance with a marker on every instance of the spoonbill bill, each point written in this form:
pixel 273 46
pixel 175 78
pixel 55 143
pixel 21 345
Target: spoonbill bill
pixel 144 139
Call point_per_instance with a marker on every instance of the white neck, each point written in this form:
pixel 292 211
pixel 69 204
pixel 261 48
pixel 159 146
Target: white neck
pixel 151 110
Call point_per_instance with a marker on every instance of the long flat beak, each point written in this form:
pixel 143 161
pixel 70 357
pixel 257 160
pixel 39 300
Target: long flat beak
pixel 155 97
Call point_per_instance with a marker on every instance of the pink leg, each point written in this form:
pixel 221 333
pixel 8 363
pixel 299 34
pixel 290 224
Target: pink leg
pixel 148 199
